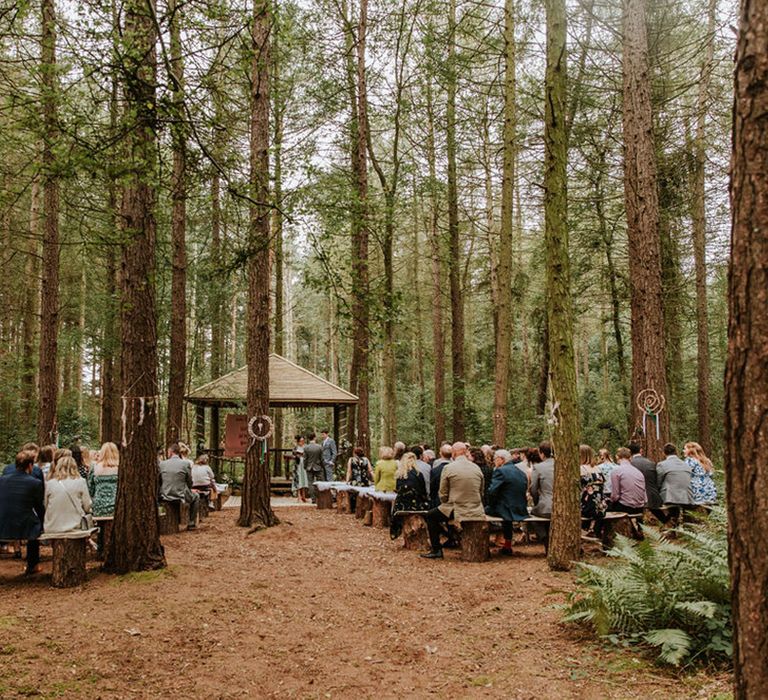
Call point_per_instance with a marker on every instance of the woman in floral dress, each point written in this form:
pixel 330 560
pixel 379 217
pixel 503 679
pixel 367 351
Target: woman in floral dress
pixel 702 483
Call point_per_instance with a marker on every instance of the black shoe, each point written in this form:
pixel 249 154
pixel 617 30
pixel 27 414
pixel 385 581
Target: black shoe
pixel 451 544
pixel 434 554
pixel 507 552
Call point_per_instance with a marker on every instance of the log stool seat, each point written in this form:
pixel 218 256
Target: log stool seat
pixel 174 516
pixel 69 556
pixel 415 533
pixel 382 508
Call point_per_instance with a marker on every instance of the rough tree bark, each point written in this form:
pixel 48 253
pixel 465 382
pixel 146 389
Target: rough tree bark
pixel 698 216
pixel 746 376
pixel 435 240
pixel 178 350
pixel 255 509
pixel 506 238
pixel 48 381
pixel 359 372
pixel 454 243
pixel 135 543
pixel 110 364
pixel 31 312
pixel 565 532
pixel 642 205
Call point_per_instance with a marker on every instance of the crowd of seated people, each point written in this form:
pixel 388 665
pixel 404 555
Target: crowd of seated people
pixel 462 481
pixel 48 490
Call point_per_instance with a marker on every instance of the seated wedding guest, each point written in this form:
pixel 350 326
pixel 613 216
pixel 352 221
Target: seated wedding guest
pixel 702 484
pixel 66 497
pixel 477 456
pixel 22 508
pixel 102 481
pixel 359 471
pixel 176 483
pixel 592 503
pixel 81 455
pixel 428 457
pixel 507 495
pixel 438 465
pixel 411 491
pixel 204 480
pixel 384 474
pixel 607 465
pixel 461 497
pixel 60 453
pixel 674 479
pixel 45 453
pixel 399 449
pixel 627 485
pixel 542 480
pixel 648 468
pixel 424 469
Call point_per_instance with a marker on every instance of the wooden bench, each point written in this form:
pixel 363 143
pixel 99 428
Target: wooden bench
pixel 612 524
pixel 343 499
pixel 69 556
pixel 475 538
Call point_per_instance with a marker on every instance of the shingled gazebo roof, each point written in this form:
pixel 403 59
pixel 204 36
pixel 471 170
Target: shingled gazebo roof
pixel 289 385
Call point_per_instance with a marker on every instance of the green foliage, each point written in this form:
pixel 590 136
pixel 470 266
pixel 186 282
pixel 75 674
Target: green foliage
pixel 673 597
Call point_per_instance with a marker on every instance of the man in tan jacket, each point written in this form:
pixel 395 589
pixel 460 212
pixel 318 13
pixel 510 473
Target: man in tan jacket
pixel 461 489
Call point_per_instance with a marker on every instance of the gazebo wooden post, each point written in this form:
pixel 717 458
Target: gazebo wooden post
pixel 215 438
pixel 336 422
pixel 199 426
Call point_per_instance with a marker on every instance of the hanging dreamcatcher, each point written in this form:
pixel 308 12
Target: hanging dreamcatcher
pixel 260 430
pixel 651 404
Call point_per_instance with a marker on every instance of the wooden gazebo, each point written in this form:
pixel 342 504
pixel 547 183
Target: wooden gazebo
pixel 290 386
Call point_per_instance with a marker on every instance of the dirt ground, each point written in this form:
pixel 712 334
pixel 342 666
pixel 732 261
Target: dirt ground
pixel 319 607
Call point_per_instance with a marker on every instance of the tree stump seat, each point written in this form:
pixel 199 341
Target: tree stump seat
pixel 104 523
pixel 175 518
pixel 324 499
pixel 70 551
pixel 382 508
pixel 475 544
pixel 343 502
pixel 415 533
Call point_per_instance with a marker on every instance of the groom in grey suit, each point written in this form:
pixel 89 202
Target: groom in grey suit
pixel 329 454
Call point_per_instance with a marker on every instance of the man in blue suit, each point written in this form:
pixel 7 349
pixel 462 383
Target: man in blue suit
pixel 507 495
pixel 22 509
pixel 329 455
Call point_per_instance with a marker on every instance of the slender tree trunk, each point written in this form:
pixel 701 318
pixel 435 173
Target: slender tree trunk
pixel 746 375
pixel 178 351
pixel 565 531
pixel 454 243
pixel 506 237
pixel 31 311
pixel 110 364
pixel 438 339
pixel 49 297
pixel 135 543
pixel 360 370
pixel 642 205
pixel 279 104
pixel 698 216
pixel 255 509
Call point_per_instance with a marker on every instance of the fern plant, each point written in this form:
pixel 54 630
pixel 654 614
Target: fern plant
pixel 670 596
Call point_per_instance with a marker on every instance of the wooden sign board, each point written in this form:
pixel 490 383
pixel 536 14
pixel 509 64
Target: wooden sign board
pixel 236 435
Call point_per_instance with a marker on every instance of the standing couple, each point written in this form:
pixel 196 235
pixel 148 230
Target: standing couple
pixel 314 462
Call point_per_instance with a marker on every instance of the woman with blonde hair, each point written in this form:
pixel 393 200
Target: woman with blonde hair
pixel 411 491
pixel 384 474
pixel 102 481
pixel 702 483
pixel 66 497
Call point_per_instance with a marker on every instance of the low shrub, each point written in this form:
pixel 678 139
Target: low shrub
pixel 673 596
